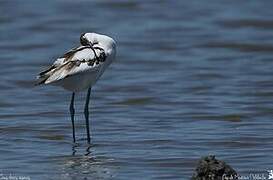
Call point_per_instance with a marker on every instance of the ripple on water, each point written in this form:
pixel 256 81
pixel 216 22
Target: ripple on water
pixel 247 23
pixel 242 47
pixel 136 101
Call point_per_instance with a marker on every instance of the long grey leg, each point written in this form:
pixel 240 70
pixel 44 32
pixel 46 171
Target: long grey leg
pixel 86 113
pixel 72 112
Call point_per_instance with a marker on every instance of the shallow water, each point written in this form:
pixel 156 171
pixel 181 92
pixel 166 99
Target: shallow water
pixel 190 79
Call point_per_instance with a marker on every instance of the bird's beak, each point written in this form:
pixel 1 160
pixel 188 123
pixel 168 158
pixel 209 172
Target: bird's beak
pixel 91 46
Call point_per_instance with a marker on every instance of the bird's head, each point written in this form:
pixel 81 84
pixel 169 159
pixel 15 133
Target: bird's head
pixel 94 39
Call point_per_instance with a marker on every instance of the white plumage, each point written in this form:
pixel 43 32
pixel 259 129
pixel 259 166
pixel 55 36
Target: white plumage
pixel 74 71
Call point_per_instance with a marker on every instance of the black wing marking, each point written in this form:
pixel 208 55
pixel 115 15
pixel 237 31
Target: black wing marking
pixel 69 55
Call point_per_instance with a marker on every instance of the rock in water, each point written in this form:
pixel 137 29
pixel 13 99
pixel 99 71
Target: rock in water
pixel 210 168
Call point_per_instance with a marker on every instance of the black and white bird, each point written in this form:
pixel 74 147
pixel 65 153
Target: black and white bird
pixel 80 68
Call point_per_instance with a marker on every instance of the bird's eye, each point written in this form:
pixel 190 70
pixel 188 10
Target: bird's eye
pixel 84 41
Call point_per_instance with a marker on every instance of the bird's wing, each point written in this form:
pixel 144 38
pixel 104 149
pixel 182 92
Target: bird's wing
pixel 60 61
pixel 77 60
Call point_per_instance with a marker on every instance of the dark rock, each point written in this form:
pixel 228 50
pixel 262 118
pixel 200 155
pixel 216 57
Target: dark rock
pixel 209 168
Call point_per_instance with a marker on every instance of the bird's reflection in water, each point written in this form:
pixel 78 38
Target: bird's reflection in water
pixel 82 164
pixel 87 149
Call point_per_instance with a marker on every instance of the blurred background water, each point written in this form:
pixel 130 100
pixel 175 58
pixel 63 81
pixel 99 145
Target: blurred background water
pixel 191 78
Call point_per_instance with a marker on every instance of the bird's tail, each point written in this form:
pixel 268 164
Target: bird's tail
pixel 43 76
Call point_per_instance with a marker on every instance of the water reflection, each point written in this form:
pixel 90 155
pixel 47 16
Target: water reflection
pixel 84 164
pixel 78 146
